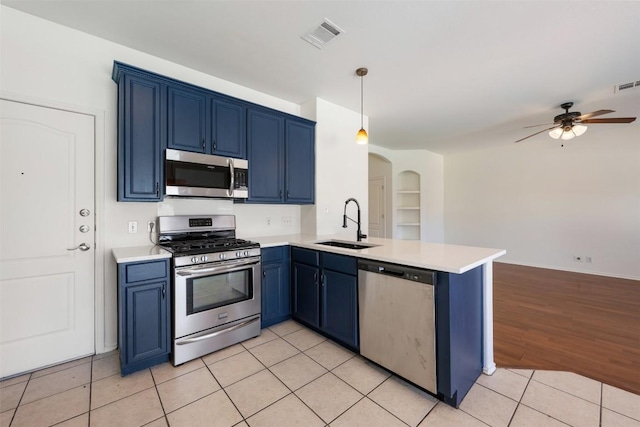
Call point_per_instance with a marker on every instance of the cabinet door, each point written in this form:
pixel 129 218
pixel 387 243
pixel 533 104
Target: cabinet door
pixel 339 307
pixel 265 150
pixel 228 128
pixel 187 119
pixel 305 293
pixel 299 162
pixel 140 139
pixel 276 299
pixel 146 321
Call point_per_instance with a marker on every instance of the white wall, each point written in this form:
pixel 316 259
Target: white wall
pixel 545 204
pixel 341 170
pixel 51 64
pixel 430 167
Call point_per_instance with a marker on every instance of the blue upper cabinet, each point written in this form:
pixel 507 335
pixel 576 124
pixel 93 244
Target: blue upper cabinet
pixel 186 119
pixel 265 149
pixel 299 161
pixel 281 154
pixel 141 124
pixel 156 112
pixel 228 128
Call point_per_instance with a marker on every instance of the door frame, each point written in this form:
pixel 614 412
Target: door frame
pixel 384 199
pixel 99 201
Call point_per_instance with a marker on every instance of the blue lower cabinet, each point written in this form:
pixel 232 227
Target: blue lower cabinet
pixel 325 294
pixel 459 320
pixel 339 307
pixel 144 314
pixel 276 295
pixel 305 285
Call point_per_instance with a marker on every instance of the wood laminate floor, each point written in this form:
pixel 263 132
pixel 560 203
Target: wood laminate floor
pixel 558 320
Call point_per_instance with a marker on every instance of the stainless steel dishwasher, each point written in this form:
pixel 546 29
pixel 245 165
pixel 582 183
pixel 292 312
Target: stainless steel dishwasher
pixel 397 320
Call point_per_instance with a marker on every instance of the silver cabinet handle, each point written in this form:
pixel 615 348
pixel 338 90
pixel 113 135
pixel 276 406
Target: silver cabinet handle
pixel 84 212
pixel 82 246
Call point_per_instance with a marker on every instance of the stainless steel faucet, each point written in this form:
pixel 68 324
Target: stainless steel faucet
pixel 359 234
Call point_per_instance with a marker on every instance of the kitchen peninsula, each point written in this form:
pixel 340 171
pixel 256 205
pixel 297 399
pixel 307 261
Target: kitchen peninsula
pixel 463 296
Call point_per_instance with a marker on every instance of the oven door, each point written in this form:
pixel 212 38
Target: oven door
pixel 210 295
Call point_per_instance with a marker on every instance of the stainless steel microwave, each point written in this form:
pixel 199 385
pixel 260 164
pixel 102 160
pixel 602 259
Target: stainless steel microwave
pixel 203 175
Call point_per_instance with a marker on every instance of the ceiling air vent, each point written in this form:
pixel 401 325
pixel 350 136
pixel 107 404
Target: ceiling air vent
pixel 626 86
pixel 322 34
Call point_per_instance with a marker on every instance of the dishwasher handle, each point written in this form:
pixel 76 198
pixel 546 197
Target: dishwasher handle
pixel 399 271
pixel 390 272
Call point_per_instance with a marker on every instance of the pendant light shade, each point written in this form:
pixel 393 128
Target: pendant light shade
pixel 362 137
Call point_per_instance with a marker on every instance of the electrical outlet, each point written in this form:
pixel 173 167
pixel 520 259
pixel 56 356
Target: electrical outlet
pixel 151 225
pixel 133 227
pixel 268 221
pixel 286 221
pixel 577 258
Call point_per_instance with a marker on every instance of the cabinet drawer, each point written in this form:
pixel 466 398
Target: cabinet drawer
pixel 146 271
pixel 305 256
pixel 340 263
pixel 276 254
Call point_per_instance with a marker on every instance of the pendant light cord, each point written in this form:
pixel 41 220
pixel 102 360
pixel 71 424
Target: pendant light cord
pixel 361 102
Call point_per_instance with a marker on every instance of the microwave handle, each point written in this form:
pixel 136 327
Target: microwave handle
pixel 232 171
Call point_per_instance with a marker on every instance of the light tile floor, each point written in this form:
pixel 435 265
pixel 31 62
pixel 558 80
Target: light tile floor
pixel 291 376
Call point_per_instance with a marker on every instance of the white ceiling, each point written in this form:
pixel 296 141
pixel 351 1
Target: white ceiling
pixel 442 74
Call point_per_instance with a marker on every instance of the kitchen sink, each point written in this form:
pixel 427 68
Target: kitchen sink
pixel 346 245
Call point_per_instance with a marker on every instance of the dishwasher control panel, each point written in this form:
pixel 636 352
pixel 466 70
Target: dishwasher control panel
pixel 398 271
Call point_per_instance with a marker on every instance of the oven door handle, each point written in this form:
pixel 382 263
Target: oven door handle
pixel 219 269
pixel 214 334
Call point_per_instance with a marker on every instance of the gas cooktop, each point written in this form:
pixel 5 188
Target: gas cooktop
pixel 208 245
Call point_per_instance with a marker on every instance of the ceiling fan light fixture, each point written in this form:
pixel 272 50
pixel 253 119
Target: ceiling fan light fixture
pixel 362 137
pixel 579 129
pixel 567 135
pixel 556 133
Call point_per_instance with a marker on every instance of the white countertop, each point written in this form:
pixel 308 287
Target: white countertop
pixel 139 253
pixel 435 256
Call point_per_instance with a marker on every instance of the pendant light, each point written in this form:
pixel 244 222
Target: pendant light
pixel 362 137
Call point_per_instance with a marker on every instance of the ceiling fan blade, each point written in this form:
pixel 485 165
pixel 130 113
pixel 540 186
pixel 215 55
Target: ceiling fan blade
pixel 534 134
pixel 611 120
pixel 535 126
pixel 593 114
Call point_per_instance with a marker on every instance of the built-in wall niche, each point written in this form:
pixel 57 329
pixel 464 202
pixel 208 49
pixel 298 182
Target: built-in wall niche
pixel 408 206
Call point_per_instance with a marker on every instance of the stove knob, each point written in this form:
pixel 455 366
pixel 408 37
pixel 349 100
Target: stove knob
pixel 246 253
pixel 194 259
pixel 203 258
pixel 222 256
pixel 238 254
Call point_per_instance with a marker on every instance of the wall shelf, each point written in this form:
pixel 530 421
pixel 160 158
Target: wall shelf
pixel 408 206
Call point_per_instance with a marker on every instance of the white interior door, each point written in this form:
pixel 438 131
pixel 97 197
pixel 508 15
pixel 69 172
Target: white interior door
pixel 377 206
pixel 46 289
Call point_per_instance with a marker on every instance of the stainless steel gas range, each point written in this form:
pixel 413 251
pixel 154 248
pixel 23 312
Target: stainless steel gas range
pixel 216 284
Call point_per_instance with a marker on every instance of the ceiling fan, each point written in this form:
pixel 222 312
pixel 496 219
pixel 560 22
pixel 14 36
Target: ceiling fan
pixel 568 125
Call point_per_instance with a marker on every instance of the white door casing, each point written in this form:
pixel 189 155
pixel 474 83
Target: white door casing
pixel 377 207
pixel 46 291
